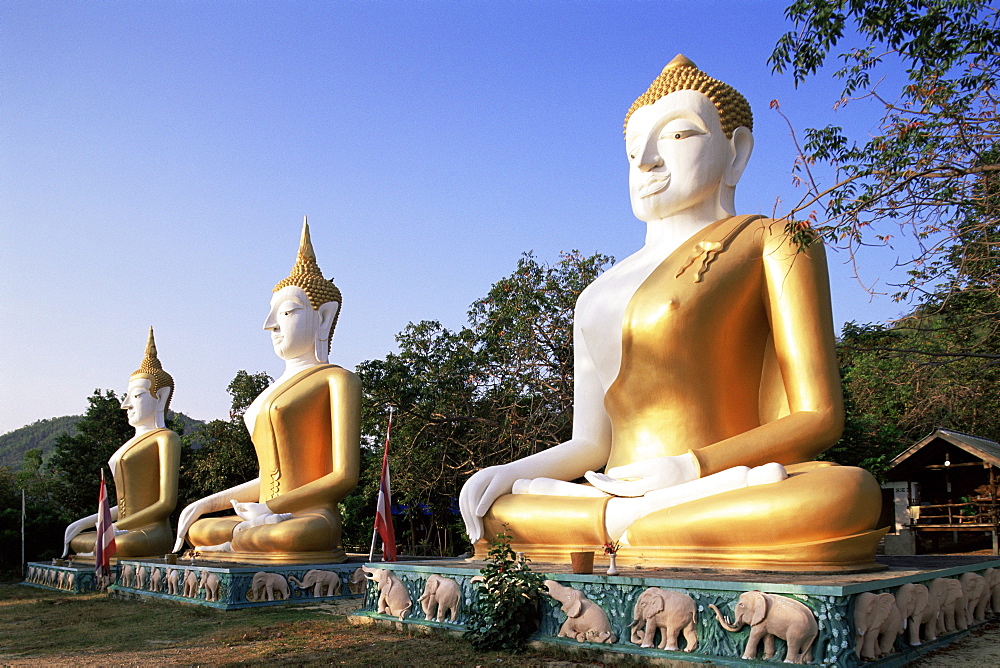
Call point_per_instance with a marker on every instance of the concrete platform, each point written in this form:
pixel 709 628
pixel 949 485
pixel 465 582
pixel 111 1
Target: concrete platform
pixel 830 597
pixel 228 586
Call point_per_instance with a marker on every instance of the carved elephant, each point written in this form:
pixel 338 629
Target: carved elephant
pixel 992 577
pixel 210 581
pixel 669 612
pixel 977 597
pixel 393 599
pixel 585 620
pixel 173 575
pixel 319 581
pixel 771 616
pixel 127 578
pixel 357 582
pixel 156 579
pixel 269 586
pixel 951 614
pixel 140 577
pixel 191 585
pixel 918 611
pixel 61 581
pixel 877 624
pixel 70 580
pixel 442 596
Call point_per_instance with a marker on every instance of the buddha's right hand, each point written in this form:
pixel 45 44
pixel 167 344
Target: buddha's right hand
pixel 74 529
pixel 646 475
pixel 188 517
pixel 479 493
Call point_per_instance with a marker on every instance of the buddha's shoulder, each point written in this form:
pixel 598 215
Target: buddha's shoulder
pixel 158 437
pixel 337 375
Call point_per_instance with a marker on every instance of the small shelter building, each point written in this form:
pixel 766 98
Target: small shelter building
pixel 945 491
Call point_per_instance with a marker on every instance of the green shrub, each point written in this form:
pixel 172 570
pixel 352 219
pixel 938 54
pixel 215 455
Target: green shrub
pixel 505 602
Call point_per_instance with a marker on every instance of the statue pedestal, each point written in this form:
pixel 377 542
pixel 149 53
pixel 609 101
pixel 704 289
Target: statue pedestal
pixel 76 577
pixel 229 586
pixel 831 599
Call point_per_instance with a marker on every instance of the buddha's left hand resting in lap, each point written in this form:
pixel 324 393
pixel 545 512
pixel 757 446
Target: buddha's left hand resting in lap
pixel 306 431
pixel 144 470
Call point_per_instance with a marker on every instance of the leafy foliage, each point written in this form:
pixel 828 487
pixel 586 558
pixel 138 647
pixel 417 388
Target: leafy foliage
pixel 221 455
pixel 504 610
pixel 923 167
pixel 39 434
pixel 496 390
pixel 78 459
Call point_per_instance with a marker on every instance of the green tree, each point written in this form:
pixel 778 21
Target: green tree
pixel 78 459
pixel 498 389
pixel 923 167
pixel 220 454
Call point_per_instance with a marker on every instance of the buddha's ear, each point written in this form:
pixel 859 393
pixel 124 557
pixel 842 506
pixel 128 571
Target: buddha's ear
pixel 742 143
pixel 327 312
pixel 162 395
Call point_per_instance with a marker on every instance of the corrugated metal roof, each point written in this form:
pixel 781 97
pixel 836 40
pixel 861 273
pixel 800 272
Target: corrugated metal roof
pixel 988 451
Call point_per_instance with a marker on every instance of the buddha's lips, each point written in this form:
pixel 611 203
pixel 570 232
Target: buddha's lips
pixel 654 185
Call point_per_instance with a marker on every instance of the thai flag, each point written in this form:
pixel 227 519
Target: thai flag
pixel 383 511
pixel 104 547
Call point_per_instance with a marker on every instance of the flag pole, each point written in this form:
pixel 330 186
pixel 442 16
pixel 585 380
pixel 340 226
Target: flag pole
pixel 385 449
pixel 23 564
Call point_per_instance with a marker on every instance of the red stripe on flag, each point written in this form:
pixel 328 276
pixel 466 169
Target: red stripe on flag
pixel 104 547
pixel 383 509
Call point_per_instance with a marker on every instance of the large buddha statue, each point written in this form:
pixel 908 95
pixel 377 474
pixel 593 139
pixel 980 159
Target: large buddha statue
pixel 706 380
pixel 144 470
pixel 306 431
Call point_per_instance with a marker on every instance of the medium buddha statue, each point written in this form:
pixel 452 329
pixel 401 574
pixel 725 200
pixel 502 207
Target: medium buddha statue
pixel 306 432
pixel 706 380
pixel 144 470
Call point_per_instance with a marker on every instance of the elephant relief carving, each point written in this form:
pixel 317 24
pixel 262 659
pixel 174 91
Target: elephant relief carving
pixel 442 596
pixel 393 599
pixel 210 581
pixel 140 577
pixel 918 611
pixel 173 577
pixel 585 620
pixel 877 624
pixel 977 597
pixel 357 582
pixel 70 580
pixel 156 579
pixel 61 581
pixel 323 583
pixel 268 586
pixel 669 612
pixel 951 614
pixel 191 585
pixel 771 616
pixel 992 577
pixel 128 575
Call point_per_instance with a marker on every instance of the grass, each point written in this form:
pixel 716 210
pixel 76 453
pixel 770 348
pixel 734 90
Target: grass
pixel 40 627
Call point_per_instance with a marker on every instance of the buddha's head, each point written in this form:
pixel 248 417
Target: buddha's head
pixel 688 139
pixel 304 309
pixel 149 391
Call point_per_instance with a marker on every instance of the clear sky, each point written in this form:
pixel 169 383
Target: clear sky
pixel 156 159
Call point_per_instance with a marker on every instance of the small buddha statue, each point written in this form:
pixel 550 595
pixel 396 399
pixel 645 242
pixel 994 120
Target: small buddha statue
pixel 305 429
pixel 144 470
pixel 706 380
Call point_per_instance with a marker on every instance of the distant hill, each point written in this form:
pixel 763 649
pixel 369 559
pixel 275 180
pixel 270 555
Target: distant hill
pixel 43 433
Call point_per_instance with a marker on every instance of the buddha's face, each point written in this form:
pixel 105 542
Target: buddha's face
pixel 678 155
pixel 139 404
pixel 293 323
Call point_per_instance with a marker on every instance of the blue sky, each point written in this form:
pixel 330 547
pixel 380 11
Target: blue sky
pixel 156 159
